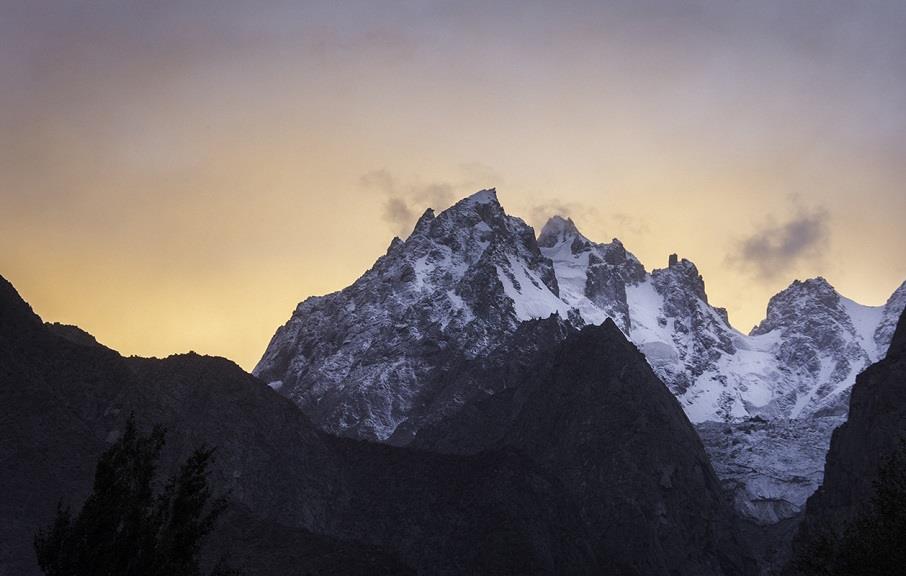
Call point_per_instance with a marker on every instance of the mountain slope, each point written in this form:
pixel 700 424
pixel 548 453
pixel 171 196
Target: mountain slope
pixel 62 402
pixel 546 500
pixel 361 361
pixel 592 413
pixel 374 357
pixel 820 341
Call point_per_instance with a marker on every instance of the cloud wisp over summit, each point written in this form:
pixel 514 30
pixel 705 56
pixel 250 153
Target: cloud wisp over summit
pixel 405 199
pixel 776 248
pixel 405 202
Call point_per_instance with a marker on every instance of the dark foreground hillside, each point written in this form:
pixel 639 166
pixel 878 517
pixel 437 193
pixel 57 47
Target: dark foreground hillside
pixel 592 467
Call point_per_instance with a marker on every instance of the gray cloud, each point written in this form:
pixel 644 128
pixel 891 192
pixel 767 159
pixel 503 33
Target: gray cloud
pixel 775 248
pixel 398 213
pixel 406 201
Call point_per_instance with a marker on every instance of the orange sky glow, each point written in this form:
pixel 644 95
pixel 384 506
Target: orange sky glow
pixel 177 176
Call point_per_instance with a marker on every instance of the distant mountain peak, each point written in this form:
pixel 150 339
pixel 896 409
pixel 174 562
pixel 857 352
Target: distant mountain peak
pixel 801 297
pixel 486 196
pixel 683 273
pixel 557 230
pixel 371 357
pixel 424 221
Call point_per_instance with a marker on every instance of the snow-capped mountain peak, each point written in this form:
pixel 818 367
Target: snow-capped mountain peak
pixel 365 359
pixel 592 277
pixel 361 361
pixel 486 196
pixel 793 304
pixel 559 230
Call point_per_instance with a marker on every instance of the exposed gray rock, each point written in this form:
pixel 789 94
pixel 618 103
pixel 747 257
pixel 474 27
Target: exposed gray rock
pixel 438 323
pixel 769 467
pixel 375 356
pixel 364 360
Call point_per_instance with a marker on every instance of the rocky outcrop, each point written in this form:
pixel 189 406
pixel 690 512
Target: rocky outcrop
pixel 364 360
pixel 769 467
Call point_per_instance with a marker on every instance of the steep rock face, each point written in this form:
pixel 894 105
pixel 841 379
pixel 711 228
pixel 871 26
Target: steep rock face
pixel 592 277
pixel 362 360
pixel 876 424
pixel 770 467
pixel 376 357
pixel 592 413
pixel 500 372
pixel 825 340
pixel 431 326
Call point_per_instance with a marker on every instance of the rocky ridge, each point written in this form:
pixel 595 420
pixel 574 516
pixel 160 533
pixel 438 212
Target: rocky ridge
pixel 369 358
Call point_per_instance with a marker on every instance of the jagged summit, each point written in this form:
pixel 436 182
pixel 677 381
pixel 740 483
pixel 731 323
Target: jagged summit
pixel 683 272
pixel 486 196
pixel 372 356
pixel 363 360
pixel 558 230
pixel 799 299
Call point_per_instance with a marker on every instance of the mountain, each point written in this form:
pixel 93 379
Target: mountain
pixel 365 360
pixel 872 432
pixel 63 399
pixel 556 496
pixel 399 349
pixel 820 341
pixel 824 341
pixel 594 415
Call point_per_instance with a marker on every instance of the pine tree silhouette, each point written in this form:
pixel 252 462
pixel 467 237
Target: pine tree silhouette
pixel 124 528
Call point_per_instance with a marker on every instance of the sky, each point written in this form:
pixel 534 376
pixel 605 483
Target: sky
pixel 178 175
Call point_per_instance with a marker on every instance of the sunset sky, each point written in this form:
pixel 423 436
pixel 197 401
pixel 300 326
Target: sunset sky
pixel 178 175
